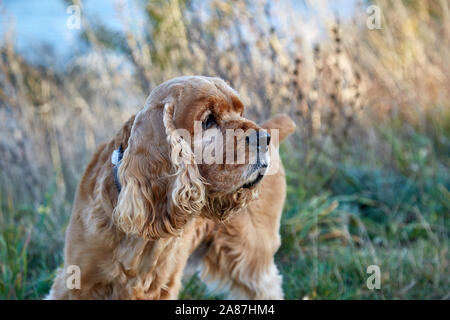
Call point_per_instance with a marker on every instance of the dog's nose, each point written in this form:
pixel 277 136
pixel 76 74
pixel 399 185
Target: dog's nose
pixel 259 138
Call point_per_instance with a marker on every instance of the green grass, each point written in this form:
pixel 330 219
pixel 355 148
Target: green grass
pixel 31 241
pixel 339 218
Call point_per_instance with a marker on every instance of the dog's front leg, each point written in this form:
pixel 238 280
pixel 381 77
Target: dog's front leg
pixel 240 259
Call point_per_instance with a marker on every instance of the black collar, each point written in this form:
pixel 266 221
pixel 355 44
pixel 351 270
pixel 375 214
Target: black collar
pixel 116 159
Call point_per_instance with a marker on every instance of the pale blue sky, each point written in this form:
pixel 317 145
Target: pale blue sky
pixel 40 23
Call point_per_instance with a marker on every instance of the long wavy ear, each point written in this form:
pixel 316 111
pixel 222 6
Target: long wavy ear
pixel 188 188
pixel 158 195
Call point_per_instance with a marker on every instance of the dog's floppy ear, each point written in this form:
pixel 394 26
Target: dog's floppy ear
pixel 188 188
pixel 161 185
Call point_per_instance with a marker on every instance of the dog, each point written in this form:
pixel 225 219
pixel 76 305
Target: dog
pixel 146 207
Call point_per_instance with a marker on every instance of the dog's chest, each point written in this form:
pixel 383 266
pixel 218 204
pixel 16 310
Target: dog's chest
pixel 152 269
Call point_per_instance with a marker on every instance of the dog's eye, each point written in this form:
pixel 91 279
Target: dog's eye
pixel 209 122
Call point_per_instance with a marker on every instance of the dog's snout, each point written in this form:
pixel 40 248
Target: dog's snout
pixel 258 138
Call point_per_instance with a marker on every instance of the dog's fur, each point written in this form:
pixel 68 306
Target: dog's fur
pixel 135 244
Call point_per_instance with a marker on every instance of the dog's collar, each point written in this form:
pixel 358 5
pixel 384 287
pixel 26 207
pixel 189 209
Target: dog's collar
pixel 116 159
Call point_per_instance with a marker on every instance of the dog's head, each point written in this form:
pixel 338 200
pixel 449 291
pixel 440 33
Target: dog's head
pixel 190 152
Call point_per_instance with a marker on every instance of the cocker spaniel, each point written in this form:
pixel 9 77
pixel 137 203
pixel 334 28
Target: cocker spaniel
pixel 160 196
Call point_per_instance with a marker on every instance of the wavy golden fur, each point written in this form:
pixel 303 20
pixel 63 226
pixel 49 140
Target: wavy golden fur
pixel 172 211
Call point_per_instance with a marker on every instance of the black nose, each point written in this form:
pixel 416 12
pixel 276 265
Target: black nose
pixel 259 138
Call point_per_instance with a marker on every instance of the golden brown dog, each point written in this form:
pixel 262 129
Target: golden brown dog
pixel 136 222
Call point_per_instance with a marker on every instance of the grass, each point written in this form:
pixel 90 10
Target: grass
pixel 30 248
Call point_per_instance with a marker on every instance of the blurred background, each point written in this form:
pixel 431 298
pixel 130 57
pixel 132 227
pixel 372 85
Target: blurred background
pixel 367 169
